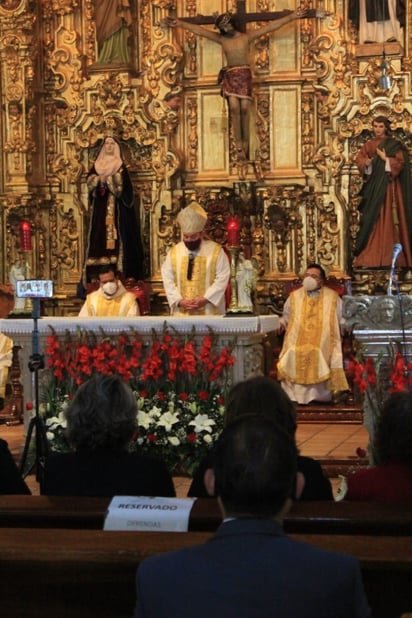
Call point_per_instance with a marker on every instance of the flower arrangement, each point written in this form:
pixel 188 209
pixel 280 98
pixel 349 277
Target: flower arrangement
pixel 179 383
pixel 377 378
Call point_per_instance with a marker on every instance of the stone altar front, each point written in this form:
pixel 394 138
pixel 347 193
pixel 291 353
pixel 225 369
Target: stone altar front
pixel 247 334
pixel 379 322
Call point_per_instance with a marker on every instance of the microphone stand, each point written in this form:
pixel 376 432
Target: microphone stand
pixel 36 424
pixel 396 251
pixel 402 320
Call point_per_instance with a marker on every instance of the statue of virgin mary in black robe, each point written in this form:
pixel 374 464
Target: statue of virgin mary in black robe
pixel 114 232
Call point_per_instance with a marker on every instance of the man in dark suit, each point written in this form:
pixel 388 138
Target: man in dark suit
pixel 250 568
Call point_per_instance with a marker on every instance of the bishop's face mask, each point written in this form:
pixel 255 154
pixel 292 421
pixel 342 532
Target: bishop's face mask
pixel 310 284
pixel 193 245
pixel 109 288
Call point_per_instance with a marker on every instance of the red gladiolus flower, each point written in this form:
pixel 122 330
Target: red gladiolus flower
pixel 191 437
pixel 183 396
pixel 203 395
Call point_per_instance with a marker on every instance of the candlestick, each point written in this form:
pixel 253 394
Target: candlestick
pixel 25 236
pixel 233 232
pixel 233 307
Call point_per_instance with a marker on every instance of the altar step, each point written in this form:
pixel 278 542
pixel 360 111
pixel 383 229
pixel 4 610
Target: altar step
pixel 329 413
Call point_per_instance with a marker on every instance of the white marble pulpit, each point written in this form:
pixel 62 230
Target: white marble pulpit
pixel 246 333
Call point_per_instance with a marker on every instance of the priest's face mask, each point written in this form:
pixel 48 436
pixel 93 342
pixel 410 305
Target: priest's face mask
pixel 108 284
pixel 312 280
pixel 193 241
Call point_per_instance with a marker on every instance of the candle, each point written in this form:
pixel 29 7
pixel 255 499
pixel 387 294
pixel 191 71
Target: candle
pixel 25 236
pixel 233 232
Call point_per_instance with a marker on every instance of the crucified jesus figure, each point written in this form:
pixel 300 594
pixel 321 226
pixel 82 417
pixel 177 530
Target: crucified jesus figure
pixel 236 77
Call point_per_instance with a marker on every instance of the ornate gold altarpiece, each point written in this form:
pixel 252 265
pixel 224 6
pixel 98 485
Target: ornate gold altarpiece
pixel 297 196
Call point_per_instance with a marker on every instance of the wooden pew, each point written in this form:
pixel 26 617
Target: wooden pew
pixel 89 573
pixel 305 517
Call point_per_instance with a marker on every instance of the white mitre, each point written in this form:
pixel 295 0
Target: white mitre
pixel 192 219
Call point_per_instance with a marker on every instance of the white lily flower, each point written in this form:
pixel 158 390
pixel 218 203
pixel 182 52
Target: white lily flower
pixel 207 438
pixel 174 441
pixel 56 421
pixel 144 419
pixel 155 412
pixel 167 420
pixel 202 423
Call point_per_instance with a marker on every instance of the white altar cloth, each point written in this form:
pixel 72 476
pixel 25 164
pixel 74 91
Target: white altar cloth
pixel 247 334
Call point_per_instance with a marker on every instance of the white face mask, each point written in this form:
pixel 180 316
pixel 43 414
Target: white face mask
pixel 109 288
pixel 310 284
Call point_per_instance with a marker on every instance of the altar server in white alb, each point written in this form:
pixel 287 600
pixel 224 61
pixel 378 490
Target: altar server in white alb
pixel 196 271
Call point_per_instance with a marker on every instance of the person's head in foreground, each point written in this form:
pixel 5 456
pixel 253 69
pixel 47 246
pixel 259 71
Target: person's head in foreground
pixel 264 396
pixel 250 568
pixel 393 440
pixel 102 414
pixel 254 468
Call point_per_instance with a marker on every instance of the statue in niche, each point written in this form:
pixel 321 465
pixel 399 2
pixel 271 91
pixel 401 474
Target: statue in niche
pixel 114 232
pixel 235 78
pixel 113 29
pixel 17 273
pixel 378 21
pixel 385 198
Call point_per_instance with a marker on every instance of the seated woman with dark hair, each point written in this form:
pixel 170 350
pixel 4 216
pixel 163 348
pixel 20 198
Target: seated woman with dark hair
pixel 391 479
pixel 11 481
pixel 262 395
pixel 101 421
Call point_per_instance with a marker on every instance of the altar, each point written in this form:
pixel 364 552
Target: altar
pixel 244 334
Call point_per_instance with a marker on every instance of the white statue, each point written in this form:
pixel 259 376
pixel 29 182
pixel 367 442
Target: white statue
pixel 246 278
pixel 17 273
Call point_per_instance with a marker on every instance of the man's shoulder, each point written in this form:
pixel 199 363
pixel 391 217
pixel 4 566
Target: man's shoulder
pixel 128 295
pixel 327 291
pixel 94 294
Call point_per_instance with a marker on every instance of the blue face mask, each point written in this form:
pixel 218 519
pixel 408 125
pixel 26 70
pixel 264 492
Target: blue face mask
pixel 193 245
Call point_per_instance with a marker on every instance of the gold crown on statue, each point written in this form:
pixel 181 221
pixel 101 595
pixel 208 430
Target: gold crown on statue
pixel 192 219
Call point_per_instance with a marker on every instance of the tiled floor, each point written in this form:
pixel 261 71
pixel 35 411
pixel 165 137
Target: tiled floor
pixel 326 442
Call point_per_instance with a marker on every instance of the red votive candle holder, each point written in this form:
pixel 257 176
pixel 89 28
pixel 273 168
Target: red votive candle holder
pixel 25 236
pixel 233 232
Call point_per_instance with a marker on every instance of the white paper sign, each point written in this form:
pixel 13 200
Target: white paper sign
pixel 150 514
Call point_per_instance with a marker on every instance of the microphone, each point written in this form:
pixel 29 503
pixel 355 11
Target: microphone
pixel 397 248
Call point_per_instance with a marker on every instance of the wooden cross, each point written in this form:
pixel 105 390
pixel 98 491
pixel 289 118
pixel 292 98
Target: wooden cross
pixel 243 18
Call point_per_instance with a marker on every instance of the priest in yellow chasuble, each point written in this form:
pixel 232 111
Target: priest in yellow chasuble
pixel 196 271
pixel 111 299
pixel 310 365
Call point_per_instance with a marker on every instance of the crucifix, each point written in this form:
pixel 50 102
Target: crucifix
pixel 235 78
